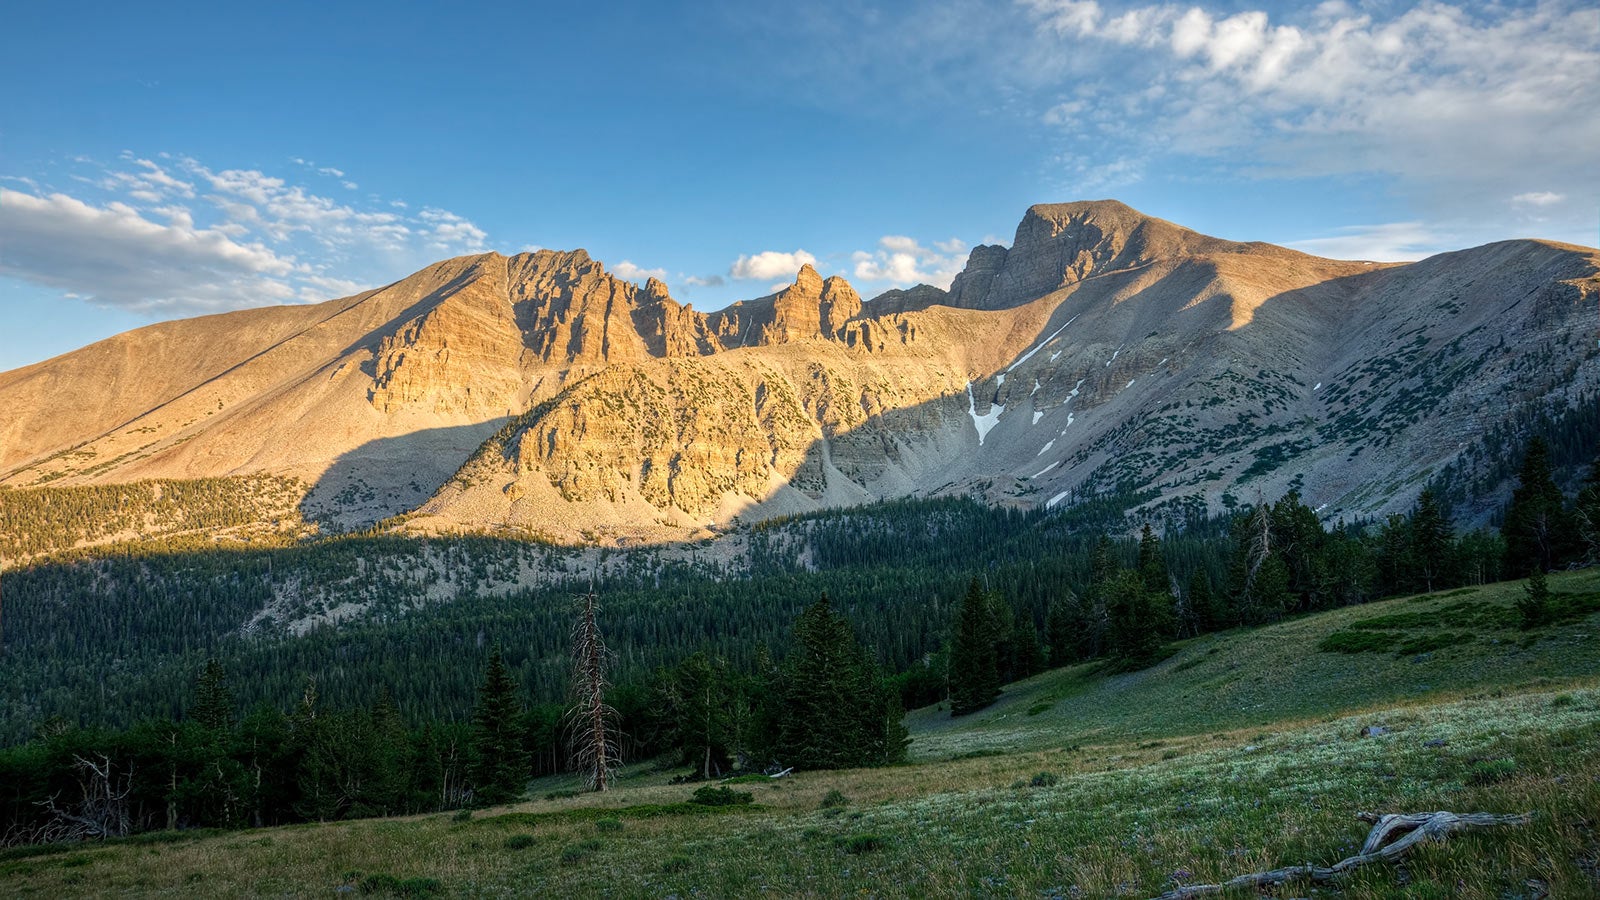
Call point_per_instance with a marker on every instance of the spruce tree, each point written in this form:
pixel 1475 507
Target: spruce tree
pixel 1534 604
pixel 499 766
pixel 1586 514
pixel 1059 634
pixel 1432 541
pixel 1536 528
pixel 832 707
pixel 1136 632
pixel 974 670
pixel 213 702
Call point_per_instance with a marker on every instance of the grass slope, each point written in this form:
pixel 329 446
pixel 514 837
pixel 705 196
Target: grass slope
pixel 1239 753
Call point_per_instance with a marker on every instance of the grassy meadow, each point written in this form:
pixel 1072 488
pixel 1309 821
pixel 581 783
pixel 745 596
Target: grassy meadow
pixel 1240 752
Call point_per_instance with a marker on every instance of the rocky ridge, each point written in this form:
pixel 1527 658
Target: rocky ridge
pixel 1103 351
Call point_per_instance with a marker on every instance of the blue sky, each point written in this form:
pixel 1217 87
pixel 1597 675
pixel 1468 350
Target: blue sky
pixel 157 163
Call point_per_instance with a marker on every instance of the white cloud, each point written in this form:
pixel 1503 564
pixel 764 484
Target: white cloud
pixel 903 261
pixel 177 237
pixel 1390 242
pixel 1461 101
pixel 117 257
pixel 1538 198
pixel 769 264
pixel 704 281
pixel 627 271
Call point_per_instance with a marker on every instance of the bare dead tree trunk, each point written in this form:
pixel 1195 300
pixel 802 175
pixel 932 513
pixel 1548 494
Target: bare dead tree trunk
pixel 1417 827
pixel 596 749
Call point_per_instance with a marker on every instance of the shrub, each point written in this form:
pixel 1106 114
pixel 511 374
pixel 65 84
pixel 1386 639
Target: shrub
pixel 519 842
pixel 1358 642
pixel 863 843
pixel 677 863
pixel 381 883
pixel 573 854
pixel 1044 779
pixel 721 796
pixel 834 799
pixel 1041 706
pixel 608 825
pixel 561 795
pixel 464 815
pixel 1425 643
pixel 1489 771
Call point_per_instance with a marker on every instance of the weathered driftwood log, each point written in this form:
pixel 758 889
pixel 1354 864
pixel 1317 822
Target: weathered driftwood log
pixel 1417 828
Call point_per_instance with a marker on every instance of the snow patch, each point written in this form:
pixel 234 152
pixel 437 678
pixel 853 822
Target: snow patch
pixel 1056 354
pixel 1046 468
pixel 984 423
pixel 1318 387
pixel 1040 346
pixel 1037 415
pixel 1113 357
pixel 1130 383
pixel 1056 499
pixel 1047 446
pixel 1000 379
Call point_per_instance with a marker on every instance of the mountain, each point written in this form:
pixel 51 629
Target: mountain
pixel 1105 351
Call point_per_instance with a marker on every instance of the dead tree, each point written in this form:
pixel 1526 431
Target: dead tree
pixel 1417 827
pixel 102 808
pixel 596 750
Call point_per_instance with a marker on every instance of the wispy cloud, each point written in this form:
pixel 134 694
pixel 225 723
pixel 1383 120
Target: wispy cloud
pixel 1389 242
pixel 170 235
pixel 770 264
pixel 1489 96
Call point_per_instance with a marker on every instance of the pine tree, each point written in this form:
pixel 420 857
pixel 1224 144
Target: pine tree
pixel 1432 541
pixel 213 702
pixel 1137 631
pixel 1157 585
pixel 1534 604
pixel 499 767
pixel 832 708
pixel 1059 634
pixel 1536 528
pixel 974 669
pixel 1586 514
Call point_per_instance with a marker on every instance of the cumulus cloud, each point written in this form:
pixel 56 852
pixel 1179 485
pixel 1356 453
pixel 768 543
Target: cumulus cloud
pixel 904 261
pixel 627 271
pixel 770 264
pixel 172 236
pixel 113 255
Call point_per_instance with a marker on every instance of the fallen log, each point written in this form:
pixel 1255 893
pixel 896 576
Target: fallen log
pixel 1417 828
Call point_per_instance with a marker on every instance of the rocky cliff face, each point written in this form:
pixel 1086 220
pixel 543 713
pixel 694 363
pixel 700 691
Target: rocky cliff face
pixel 1104 350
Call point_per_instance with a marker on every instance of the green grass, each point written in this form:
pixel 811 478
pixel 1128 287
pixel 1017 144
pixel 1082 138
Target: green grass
pixel 1248 759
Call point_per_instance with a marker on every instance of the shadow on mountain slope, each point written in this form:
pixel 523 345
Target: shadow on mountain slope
pixel 390 476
